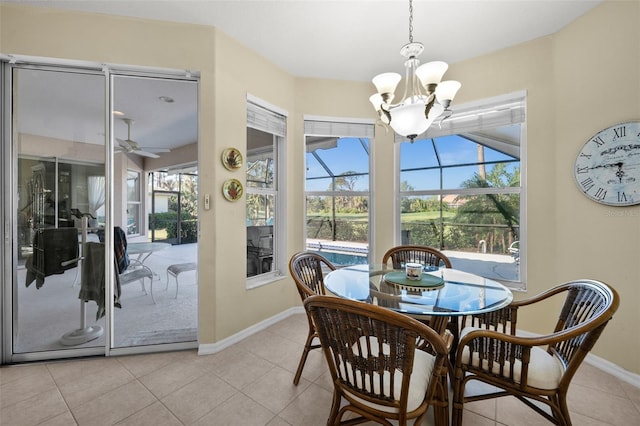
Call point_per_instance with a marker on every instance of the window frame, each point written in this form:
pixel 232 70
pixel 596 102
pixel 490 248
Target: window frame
pixel 274 122
pixel 488 113
pixel 340 128
pixel 137 203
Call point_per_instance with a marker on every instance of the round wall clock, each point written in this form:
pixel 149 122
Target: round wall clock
pixel 607 169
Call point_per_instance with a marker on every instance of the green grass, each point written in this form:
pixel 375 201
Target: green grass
pixel 364 217
pixel 425 216
pixel 356 217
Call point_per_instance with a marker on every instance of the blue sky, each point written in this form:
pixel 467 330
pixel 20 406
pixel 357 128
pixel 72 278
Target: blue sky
pixel 349 155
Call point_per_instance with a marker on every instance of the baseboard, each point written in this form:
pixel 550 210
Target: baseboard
pixel 212 348
pixel 613 369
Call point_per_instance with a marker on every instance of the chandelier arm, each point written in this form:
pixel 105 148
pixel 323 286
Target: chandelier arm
pixel 428 106
pixel 386 113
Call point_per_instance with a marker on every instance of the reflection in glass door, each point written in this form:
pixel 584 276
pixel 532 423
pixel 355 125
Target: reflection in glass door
pixel 133 203
pixel 174 207
pixel 157 130
pixel 59 198
pixel 75 204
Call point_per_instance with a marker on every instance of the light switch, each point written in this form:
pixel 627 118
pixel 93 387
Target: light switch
pixel 207 202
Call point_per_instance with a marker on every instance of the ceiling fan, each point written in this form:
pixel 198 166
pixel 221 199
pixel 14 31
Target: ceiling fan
pixel 132 147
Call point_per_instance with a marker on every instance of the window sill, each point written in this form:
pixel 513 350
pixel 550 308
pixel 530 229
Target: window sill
pixel 264 279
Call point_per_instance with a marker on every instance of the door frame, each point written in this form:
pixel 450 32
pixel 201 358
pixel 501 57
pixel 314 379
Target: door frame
pixel 8 182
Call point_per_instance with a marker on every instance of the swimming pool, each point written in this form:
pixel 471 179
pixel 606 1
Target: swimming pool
pixel 343 258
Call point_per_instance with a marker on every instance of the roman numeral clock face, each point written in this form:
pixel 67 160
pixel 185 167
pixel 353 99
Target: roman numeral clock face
pixel 607 168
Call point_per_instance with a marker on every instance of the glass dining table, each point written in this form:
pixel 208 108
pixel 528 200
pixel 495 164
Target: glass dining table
pixel 440 294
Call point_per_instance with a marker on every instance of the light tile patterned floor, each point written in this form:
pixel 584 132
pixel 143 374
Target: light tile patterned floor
pixel 247 384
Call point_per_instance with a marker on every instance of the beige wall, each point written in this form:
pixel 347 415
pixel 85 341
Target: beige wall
pixel 597 84
pixel 226 306
pixel 568 78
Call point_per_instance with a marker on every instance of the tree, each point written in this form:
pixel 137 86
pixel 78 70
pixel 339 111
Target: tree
pixel 345 182
pixel 491 209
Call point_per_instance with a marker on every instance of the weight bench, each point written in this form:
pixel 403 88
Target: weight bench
pixel 178 268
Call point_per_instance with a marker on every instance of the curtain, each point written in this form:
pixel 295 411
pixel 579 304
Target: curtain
pixel 96 190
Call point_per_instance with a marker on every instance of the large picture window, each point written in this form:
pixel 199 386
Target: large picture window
pixel 337 190
pixel 460 189
pixel 264 186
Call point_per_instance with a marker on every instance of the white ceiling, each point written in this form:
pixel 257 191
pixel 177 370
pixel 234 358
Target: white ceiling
pixel 346 40
pixel 354 39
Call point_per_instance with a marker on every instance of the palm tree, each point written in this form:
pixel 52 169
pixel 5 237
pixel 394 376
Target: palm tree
pixel 492 209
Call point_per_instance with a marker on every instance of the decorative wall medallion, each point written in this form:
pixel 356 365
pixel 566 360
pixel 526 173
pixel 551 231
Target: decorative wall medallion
pixel 231 159
pixel 232 189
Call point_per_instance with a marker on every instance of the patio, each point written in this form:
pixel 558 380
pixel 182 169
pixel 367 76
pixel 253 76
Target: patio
pixel 44 315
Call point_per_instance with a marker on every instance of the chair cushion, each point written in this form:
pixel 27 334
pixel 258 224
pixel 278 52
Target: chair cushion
pixel 545 370
pixel 422 367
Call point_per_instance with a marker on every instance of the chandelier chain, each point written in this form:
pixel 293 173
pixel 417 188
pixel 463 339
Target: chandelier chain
pixel 410 21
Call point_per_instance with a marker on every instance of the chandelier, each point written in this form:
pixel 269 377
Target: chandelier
pixel 425 96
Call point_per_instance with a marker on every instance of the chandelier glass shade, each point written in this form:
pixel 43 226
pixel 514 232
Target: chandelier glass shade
pixel 426 97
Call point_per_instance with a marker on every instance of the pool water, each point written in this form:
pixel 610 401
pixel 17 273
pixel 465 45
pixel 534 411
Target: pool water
pixel 343 258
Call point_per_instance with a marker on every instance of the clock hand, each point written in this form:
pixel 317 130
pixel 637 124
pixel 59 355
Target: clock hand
pixel 620 173
pixel 612 165
pixel 600 166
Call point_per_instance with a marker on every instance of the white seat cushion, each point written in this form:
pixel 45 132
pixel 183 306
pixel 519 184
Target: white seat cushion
pixel 422 367
pixel 545 370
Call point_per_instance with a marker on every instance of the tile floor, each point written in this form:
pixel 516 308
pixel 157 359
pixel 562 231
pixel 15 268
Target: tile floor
pixel 249 383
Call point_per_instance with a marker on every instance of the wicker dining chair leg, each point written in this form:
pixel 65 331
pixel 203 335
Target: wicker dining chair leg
pixel 308 347
pixel 458 398
pixel 441 400
pixel 335 408
pixel 454 328
pixel 560 401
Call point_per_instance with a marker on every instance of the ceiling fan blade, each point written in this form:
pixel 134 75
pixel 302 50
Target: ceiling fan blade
pixel 145 154
pixel 124 144
pixel 132 147
pixel 154 150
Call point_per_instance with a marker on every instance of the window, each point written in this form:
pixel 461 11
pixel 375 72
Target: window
pixel 133 203
pixel 173 205
pixel 460 189
pixel 264 188
pixel 337 190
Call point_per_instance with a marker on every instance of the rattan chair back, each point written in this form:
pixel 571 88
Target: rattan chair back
pixel 503 358
pixel 400 255
pixel 428 256
pixel 372 353
pixel 307 270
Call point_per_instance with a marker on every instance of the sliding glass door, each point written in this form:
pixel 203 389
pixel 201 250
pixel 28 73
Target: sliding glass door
pixel 155 132
pixel 81 144
pixel 57 209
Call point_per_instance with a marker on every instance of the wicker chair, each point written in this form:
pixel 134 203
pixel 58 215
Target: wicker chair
pixel 533 369
pixel 400 255
pixel 384 365
pixel 429 256
pixel 307 270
